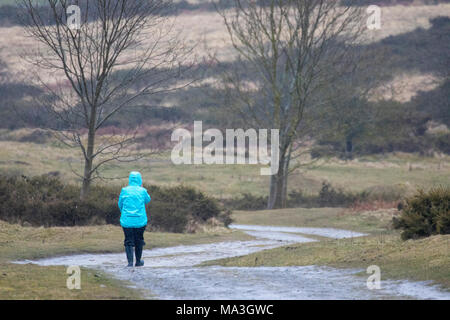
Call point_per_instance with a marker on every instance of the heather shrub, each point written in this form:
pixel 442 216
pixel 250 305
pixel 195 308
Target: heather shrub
pixel 425 214
pixel 46 201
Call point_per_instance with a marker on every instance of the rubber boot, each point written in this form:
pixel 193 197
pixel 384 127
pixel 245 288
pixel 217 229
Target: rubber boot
pixel 138 252
pixel 129 252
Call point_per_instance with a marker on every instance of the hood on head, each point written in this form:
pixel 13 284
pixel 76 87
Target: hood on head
pixel 135 179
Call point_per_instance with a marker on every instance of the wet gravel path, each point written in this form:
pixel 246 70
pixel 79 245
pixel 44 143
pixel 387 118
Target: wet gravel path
pixel 171 273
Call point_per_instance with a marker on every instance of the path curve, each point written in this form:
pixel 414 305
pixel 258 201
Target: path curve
pixel 171 273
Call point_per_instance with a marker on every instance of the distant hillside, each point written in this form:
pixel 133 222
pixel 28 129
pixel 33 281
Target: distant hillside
pixel 392 2
pixel 424 50
pixel 415 42
pixel 9 12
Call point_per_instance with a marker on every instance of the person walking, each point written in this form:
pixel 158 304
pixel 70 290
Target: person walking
pixel 133 218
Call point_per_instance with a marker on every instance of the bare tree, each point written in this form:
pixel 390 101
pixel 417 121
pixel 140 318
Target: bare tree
pixel 121 51
pixel 295 49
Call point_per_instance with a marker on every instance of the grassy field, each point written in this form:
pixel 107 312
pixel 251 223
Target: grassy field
pixel 402 173
pixel 373 222
pixel 7 2
pixel 424 259
pixel 37 282
pixel 25 282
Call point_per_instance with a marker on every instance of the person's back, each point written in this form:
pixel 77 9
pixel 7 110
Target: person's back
pixel 132 201
pixel 133 218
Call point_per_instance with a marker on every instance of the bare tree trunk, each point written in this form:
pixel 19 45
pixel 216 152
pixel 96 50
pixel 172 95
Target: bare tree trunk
pixel 276 186
pixel 284 191
pixel 285 180
pixel 272 190
pixel 279 193
pixel 278 182
pixel 349 148
pixel 86 179
pixel 87 176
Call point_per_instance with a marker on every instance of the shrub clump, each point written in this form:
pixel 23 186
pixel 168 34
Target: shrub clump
pixel 247 201
pixel 46 201
pixel 425 214
pixel 173 209
pixel 328 196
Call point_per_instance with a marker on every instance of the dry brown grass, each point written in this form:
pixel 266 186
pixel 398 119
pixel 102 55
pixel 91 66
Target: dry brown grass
pixel 403 87
pixel 374 206
pixel 32 282
pixel 207 30
pixel 423 259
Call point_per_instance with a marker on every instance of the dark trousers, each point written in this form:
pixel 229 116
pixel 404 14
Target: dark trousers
pixel 134 237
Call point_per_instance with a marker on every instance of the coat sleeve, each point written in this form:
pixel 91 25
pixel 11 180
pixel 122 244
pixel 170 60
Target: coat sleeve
pixel 121 200
pixel 147 197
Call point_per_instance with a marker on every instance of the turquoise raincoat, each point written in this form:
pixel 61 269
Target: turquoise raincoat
pixel 132 203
